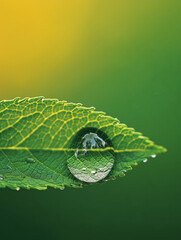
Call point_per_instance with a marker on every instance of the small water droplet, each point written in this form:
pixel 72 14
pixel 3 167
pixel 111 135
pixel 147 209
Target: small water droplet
pixel 84 169
pixel 43 99
pixel 30 160
pixel 145 160
pixel 153 156
pixel 93 172
pixel 17 189
pixel 62 188
pixel 124 170
pixel 1 178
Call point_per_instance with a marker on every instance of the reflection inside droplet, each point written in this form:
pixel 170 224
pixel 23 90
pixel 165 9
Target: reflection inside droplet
pixel 98 165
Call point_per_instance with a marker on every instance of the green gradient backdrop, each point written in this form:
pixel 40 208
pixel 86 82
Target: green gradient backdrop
pixel 123 57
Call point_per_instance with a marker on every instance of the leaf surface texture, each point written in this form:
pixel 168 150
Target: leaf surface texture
pixel 39 138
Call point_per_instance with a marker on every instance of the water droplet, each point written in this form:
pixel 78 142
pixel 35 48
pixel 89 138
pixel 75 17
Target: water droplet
pixel 17 189
pixel 1 178
pixel 145 160
pixel 43 99
pixel 30 160
pixel 124 170
pixel 88 164
pixel 62 188
pixel 153 156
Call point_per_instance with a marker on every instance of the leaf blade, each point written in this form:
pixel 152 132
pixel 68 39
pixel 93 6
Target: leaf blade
pixel 45 129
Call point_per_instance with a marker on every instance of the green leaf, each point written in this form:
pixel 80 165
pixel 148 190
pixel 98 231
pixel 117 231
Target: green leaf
pixel 47 142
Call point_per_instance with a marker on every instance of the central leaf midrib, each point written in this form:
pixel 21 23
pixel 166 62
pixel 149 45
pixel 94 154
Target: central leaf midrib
pixel 74 149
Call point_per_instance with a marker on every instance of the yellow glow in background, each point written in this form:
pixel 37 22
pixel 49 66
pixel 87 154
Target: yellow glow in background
pixel 36 36
pixel 53 47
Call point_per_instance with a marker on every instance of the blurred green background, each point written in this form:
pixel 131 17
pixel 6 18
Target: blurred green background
pixel 124 58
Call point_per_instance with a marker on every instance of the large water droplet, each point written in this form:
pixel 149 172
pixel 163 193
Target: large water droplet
pixel 91 161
